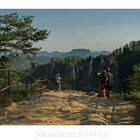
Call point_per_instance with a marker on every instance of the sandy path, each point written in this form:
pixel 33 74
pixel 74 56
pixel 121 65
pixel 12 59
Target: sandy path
pixel 71 107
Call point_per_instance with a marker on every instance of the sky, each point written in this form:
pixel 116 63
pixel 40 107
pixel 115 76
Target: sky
pixel 84 28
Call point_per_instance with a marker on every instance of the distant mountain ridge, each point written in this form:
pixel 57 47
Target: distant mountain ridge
pixel 50 54
pixel 75 52
pixel 44 57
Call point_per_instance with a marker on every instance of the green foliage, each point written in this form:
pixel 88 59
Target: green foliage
pixel 17 34
pixel 135 84
pixel 73 59
pixel 18 95
pixel 56 59
pixel 126 57
pixel 68 59
pixel 3 81
pixel 136 70
pixel 136 95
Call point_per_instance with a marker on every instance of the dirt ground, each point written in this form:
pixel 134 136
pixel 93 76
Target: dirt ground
pixel 71 108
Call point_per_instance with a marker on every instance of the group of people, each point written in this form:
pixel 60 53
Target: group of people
pixel 105 83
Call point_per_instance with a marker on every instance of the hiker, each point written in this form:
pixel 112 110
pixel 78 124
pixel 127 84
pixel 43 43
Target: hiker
pixel 102 83
pixel 58 81
pixel 109 82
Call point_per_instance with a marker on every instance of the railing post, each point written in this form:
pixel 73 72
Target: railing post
pixel 9 81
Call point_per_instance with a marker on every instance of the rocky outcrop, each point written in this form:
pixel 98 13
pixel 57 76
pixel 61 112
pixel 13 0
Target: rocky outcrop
pixel 80 75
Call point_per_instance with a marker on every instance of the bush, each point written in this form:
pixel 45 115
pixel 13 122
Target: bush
pixel 135 84
pixel 134 96
pixel 18 95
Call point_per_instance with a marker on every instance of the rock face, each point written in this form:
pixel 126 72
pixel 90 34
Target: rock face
pixel 80 75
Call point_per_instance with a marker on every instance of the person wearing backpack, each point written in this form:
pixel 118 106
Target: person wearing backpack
pixel 102 83
pixel 109 83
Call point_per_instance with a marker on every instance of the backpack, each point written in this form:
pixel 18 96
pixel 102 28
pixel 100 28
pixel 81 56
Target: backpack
pixel 109 78
pixel 103 78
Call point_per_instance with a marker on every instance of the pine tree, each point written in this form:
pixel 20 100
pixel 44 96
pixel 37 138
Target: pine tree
pixel 17 35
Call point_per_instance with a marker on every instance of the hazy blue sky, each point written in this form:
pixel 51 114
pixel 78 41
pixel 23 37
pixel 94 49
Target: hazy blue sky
pixel 92 29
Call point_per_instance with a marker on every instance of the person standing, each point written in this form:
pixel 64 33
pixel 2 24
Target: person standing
pixel 58 81
pixel 109 83
pixel 102 83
